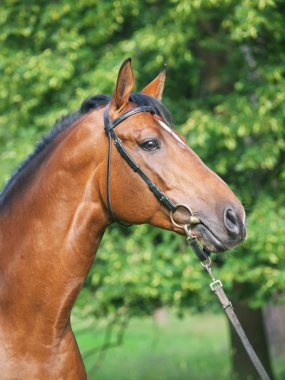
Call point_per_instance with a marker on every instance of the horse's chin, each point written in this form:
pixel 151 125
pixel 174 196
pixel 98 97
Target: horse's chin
pixel 209 240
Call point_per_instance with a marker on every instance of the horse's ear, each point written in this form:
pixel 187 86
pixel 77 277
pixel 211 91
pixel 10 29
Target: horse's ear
pixel 155 88
pixel 124 86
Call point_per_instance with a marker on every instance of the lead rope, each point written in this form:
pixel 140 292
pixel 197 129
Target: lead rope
pixel 217 287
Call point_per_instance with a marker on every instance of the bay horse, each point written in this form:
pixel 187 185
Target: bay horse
pixel 55 208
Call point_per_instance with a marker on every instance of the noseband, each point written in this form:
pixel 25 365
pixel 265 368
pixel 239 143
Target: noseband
pixel 109 130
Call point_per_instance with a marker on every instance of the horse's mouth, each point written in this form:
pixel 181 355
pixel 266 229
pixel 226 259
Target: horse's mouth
pixel 210 241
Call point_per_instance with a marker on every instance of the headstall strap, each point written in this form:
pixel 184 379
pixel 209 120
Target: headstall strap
pixel 109 130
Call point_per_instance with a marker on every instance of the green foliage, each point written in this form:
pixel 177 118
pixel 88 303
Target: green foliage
pixel 143 271
pixel 226 89
pixel 196 347
pixel 179 349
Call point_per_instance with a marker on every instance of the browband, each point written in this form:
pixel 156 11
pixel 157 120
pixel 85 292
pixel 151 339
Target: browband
pixel 112 124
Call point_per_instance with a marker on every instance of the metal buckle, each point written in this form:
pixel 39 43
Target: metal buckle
pixel 188 233
pixel 215 284
pixel 207 263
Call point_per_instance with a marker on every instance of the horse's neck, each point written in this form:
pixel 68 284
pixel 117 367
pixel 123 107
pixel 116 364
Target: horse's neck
pixel 49 236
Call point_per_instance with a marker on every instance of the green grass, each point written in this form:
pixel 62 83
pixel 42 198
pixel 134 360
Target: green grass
pixel 195 348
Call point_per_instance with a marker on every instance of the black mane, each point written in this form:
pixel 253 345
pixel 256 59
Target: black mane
pixel 24 172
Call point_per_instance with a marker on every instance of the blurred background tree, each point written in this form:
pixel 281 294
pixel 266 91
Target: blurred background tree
pixel 226 89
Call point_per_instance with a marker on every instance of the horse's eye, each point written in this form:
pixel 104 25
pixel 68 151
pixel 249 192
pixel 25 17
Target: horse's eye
pixel 150 144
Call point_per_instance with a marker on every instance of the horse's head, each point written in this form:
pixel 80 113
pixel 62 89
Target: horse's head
pixel 164 156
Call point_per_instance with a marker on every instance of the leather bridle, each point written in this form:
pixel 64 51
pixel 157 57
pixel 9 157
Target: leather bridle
pixel 109 130
pixel 203 256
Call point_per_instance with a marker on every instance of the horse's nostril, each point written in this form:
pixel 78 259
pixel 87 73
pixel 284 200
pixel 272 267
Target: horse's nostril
pixel 231 221
pixel 231 216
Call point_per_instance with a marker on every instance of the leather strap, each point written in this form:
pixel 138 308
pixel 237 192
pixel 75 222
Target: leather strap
pixel 158 193
pixel 112 124
pixel 217 288
pixel 200 253
pixel 227 306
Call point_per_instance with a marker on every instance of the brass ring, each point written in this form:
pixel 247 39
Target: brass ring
pixel 171 215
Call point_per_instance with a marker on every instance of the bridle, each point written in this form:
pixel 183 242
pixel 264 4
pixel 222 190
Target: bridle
pixel 109 130
pixel 216 285
pixel 160 195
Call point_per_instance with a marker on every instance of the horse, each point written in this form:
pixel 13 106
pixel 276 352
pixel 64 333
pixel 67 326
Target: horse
pixel 55 208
